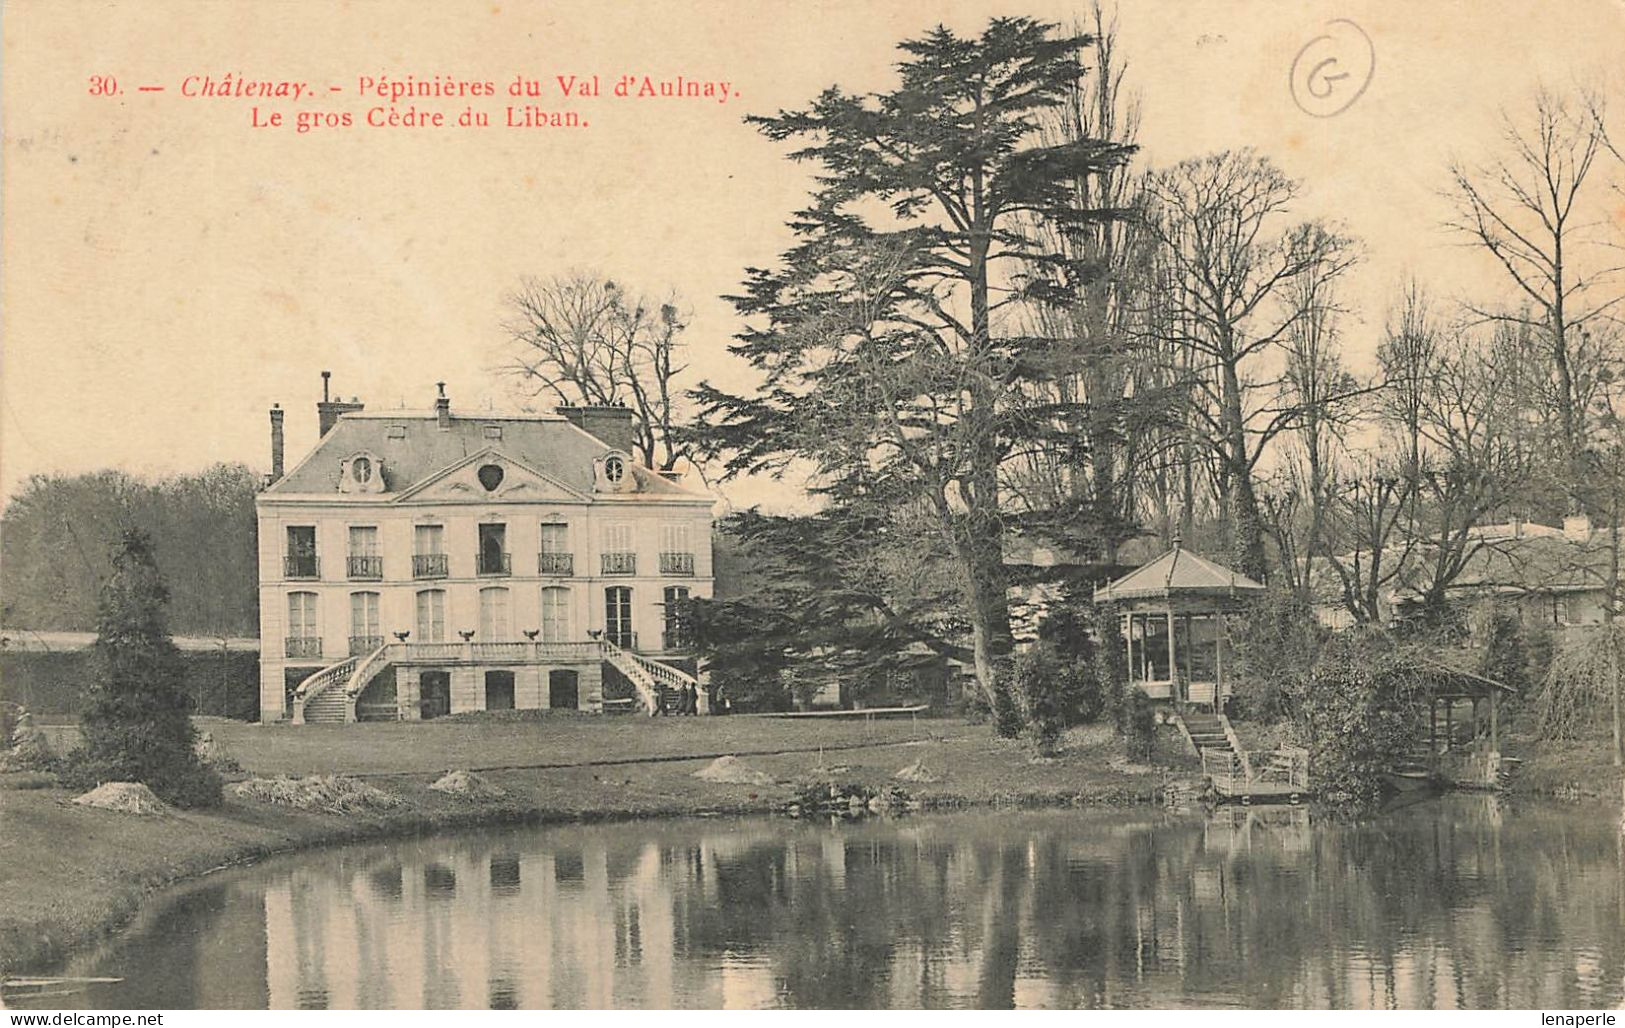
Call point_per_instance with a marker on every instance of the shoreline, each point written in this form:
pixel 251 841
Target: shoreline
pixel 71 876
pixel 43 947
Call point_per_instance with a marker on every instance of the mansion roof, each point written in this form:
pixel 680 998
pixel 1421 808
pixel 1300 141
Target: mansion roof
pixel 413 449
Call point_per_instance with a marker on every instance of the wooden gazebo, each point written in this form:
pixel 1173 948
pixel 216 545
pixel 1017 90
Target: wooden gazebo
pixel 1172 623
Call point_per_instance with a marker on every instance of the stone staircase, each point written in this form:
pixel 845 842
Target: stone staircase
pixel 330 706
pixel 656 684
pixel 329 695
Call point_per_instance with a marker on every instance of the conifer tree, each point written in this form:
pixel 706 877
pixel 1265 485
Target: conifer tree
pixel 136 726
pixel 884 339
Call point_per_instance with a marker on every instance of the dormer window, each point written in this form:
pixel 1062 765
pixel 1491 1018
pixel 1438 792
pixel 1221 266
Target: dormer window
pixel 493 431
pixel 613 473
pixel 361 473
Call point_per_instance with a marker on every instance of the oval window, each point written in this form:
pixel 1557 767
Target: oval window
pixel 614 470
pixel 361 469
pixel 490 476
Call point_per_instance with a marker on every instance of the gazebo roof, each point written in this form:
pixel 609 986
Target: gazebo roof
pixel 1177 572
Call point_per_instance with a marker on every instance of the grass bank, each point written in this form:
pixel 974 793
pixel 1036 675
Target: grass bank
pixel 69 874
pixel 1572 769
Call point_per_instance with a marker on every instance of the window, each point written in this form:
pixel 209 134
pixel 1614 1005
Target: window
pixel 302 614
pixel 619 557
pixel 397 431
pixel 555 615
pixel 493 556
pixel 365 561
pixel 618 616
pixel 494 624
pixel 301 556
pixel 555 537
pixel 429 539
pixel 361 470
pixel 365 633
pixel 492 431
pixel 432 615
pixel 304 638
pixel 675 556
pixel 554 556
pixel 676 636
pixel 614 469
pixel 674 537
pixel 490 476
pixel 429 551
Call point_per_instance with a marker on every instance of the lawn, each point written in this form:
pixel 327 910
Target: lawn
pixel 561 740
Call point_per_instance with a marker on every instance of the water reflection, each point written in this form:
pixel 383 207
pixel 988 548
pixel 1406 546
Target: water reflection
pixel 1461 903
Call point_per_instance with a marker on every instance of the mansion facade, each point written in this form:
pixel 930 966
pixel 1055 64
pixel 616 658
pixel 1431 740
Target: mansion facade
pixel 418 563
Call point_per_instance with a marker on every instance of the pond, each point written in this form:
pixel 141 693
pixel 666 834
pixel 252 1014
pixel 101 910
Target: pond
pixel 1465 901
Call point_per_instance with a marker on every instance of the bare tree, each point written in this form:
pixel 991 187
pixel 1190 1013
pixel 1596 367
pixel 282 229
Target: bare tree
pixel 1214 217
pixel 1469 466
pixel 1370 545
pixel 581 338
pixel 1322 391
pixel 1528 208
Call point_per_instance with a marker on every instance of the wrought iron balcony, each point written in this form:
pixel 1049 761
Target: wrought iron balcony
pixel 493 564
pixel 368 566
pixel 675 640
pixel 363 644
pixel 428 565
pixel 561 564
pixel 625 638
pixel 620 563
pixel 304 646
pixel 676 563
pixel 301 565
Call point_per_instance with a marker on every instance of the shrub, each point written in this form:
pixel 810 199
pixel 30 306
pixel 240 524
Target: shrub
pixel 1360 710
pixel 1069 631
pixel 1109 661
pixel 1137 723
pixel 1579 682
pixel 1036 684
pixel 1275 643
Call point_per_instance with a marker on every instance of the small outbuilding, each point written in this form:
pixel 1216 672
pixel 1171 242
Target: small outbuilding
pixel 1173 609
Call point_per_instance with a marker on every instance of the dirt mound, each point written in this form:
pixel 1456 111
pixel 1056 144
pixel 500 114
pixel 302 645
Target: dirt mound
pixel 916 772
pixel 732 771
pixel 327 793
pixel 468 785
pixel 125 797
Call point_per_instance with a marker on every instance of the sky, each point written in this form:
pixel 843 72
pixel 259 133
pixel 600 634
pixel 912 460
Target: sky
pixel 168 270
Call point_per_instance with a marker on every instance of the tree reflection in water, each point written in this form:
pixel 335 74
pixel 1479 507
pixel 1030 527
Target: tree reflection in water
pixel 1454 903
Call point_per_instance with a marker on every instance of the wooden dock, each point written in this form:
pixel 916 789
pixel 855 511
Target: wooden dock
pixel 1276 776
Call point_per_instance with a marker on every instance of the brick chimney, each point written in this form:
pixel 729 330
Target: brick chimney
pixel 328 411
pixel 612 425
pixel 276 442
pixel 442 408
